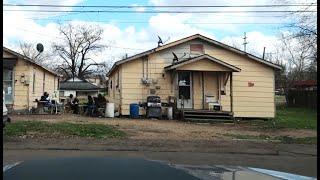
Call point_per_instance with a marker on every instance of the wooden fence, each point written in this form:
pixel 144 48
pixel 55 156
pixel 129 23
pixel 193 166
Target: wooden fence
pixel 302 98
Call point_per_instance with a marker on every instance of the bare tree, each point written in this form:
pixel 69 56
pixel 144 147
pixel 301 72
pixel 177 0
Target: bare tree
pixel 296 60
pixel 303 28
pixel 79 44
pixel 29 50
pixel 297 50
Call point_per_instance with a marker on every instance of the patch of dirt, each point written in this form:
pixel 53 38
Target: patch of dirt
pixel 170 129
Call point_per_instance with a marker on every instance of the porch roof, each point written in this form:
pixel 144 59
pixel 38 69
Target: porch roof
pixel 227 67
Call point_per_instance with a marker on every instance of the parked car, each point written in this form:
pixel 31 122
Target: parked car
pixel 5 116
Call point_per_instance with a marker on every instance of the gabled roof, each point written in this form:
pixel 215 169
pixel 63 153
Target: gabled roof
pixel 18 55
pixel 189 38
pixel 78 85
pixel 204 56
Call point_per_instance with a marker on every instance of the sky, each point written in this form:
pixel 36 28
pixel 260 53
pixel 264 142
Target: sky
pixel 131 33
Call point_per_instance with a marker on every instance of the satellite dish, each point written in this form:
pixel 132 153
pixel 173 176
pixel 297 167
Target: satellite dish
pixel 175 58
pixel 160 41
pixel 40 48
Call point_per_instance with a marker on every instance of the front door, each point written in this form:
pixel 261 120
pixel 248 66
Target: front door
pixel 184 90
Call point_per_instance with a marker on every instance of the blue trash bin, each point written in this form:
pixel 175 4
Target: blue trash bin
pixel 134 110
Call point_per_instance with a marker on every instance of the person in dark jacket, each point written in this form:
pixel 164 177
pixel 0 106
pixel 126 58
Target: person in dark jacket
pixel 101 101
pixel 75 105
pixel 90 106
pixel 47 99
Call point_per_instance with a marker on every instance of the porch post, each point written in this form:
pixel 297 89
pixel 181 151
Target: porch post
pixel 231 93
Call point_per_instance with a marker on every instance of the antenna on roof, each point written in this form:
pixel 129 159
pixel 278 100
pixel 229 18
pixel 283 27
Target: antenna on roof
pixel 160 41
pixel 264 51
pixel 166 40
pixel 245 42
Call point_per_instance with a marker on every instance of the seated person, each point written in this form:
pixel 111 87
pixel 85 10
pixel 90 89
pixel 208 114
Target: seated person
pixel 75 105
pixel 101 101
pixel 70 99
pixel 90 106
pixel 47 99
pixel 73 102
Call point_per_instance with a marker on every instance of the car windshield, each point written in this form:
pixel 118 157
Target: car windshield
pixel 192 89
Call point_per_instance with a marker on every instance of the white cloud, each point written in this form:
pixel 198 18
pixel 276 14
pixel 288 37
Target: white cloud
pixel 131 40
pixel 256 42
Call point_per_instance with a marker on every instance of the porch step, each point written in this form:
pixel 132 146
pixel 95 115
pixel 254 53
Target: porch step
pixel 208 120
pixel 207 115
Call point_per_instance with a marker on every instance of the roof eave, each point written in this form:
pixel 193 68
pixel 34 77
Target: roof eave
pixel 238 51
pixel 30 60
pixel 229 66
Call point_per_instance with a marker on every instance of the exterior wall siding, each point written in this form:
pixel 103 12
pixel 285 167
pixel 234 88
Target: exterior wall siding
pixel 114 94
pixel 20 100
pixel 23 94
pixel 256 101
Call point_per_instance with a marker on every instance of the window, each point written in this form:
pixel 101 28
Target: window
pixel 117 85
pixel 196 49
pixel 34 82
pixel 8 85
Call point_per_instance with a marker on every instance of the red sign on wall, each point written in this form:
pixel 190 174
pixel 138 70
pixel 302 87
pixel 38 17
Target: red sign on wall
pixel 250 84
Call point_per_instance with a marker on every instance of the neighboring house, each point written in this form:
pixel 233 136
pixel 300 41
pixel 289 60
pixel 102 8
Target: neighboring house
pixel 206 71
pixel 24 80
pixel 305 85
pixel 78 87
pixel 97 80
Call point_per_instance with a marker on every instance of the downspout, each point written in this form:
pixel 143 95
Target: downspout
pixel 231 94
pixel 28 98
pixel 143 67
pixel 219 88
pixel 147 67
pixel 192 90
pixel 202 78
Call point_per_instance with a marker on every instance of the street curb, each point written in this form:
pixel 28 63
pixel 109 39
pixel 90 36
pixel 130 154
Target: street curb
pixel 142 150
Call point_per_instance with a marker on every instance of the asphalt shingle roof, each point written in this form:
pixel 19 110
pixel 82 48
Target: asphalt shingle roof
pixel 78 85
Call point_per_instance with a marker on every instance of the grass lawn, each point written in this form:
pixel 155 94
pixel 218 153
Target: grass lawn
pixel 282 139
pixel 296 118
pixel 47 129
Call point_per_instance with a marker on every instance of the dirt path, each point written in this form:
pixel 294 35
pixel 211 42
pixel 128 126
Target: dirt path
pixel 173 129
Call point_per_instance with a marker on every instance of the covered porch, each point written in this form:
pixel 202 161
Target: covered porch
pixel 203 87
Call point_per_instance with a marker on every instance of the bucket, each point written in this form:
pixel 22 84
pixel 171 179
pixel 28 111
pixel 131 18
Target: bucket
pixel 109 110
pixel 169 112
pixel 134 111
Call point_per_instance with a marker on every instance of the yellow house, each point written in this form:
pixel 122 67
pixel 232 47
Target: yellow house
pixel 24 80
pixel 197 71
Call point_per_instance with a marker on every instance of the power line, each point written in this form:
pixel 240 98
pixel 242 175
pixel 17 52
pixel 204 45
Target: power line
pixel 146 22
pixel 173 6
pixel 153 11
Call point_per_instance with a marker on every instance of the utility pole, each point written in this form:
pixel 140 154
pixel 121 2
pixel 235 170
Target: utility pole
pixel 264 50
pixel 245 42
